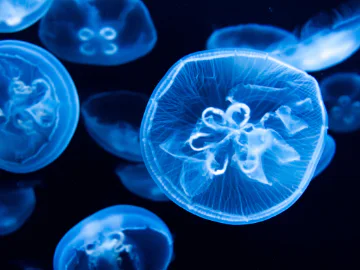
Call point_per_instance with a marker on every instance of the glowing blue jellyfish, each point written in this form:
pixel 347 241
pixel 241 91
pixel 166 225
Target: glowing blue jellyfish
pixel 327 155
pixel 16 15
pixel 16 206
pixel 118 237
pixel 98 32
pixel 113 120
pixel 341 94
pixel 39 107
pixel 233 136
pixel 137 180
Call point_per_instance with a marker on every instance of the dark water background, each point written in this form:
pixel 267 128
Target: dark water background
pixel 320 231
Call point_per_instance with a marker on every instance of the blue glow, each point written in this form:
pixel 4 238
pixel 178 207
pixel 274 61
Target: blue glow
pixel 16 206
pixel 16 15
pixel 327 156
pixel 39 107
pixel 98 32
pixel 233 136
pixel 341 94
pixel 137 180
pixel 113 120
pixel 117 237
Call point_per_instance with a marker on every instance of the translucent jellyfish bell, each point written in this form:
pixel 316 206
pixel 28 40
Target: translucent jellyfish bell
pixel 117 237
pixel 39 107
pixel 16 15
pixel 327 155
pixel 233 136
pixel 341 94
pixel 16 206
pixel 113 120
pixel 98 32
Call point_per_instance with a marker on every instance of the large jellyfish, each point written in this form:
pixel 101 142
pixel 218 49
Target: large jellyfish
pixel 136 179
pixel 341 94
pixel 39 107
pixel 327 155
pixel 113 120
pixel 16 15
pixel 16 206
pixel 98 32
pixel 233 136
pixel 118 237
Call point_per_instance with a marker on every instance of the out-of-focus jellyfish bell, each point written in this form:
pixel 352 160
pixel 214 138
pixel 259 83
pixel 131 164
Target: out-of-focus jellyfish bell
pixel 117 237
pixel 327 155
pixel 16 15
pixel 233 136
pixel 137 179
pixel 98 32
pixel 16 206
pixel 113 120
pixel 39 107
pixel 341 94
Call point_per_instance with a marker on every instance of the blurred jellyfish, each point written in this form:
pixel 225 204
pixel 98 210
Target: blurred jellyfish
pixel 16 15
pixel 137 180
pixel 327 155
pixel 341 94
pixel 16 206
pixel 39 107
pixel 113 120
pixel 118 237
pixel 233 136
pixel 98 32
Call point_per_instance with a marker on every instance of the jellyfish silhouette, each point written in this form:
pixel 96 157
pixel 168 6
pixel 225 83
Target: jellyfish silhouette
pixel 327 155
pixel 341 94
pixel 16 15
pixel 117 237
pixel 16 206
pixel 113 120
pixel 39 107
pixel 98 32
pixel 233 136
pixel 137 180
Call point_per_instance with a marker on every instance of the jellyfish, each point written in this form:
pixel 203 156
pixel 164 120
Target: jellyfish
pixel 233 136
pixel 327 155
pixel 113 120
pixel 117 237
pixel 16 206
pixel 341 94
pixel 137 180
pixel 16 15
pixel 39 107
pixel 98 32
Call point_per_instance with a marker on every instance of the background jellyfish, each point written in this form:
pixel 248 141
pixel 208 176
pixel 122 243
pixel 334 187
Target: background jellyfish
pixel 16 15
pixel 233 136
pixel 117 237
pixel 16 206
pixel 113 120
pixel 98 32
pixel 137 180
pixel 39 107
pixel 341 94
pixel 327 155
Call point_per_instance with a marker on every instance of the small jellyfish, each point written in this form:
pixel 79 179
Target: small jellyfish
pixel 137 180
pixel 327 155
pixel 113 120
pixel 117 237
pixel 98 32
pixel 341 94
pixel 39 107
pixel 16 206
pixel 233 136
pixel 16 15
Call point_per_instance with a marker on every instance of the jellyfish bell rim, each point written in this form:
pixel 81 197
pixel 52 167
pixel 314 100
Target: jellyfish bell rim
pixel 64 136
pixel 329 140
pixel 178 198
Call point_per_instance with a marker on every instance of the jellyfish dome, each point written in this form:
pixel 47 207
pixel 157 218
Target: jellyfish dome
pixel 327 156
pixel 16 15
pixel 113 120
pixel 98 32
pixel 117 237
pixel 39 107
pixel 233 136
pixel 16 206
pixel 341 94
